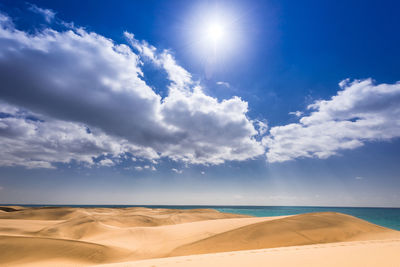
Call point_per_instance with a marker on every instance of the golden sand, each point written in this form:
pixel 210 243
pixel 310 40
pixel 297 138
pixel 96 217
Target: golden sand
pixel 160 237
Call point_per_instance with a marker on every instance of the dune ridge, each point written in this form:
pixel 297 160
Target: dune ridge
pixel 303 229
pixel 89 236
pixel 370 253
pixel 16 250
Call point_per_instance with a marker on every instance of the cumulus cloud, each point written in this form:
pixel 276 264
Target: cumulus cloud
pixel 74 80
pixel 33 141
pixel 362 111
pixel 76 96
pixel 106 162
pixel 48 14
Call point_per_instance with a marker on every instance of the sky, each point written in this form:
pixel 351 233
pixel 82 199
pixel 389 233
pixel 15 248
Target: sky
pixel 200 102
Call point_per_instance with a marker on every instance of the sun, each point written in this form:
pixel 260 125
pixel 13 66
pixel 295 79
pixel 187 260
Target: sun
pixel 215 32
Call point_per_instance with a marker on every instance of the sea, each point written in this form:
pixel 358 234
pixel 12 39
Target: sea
pixel 387 217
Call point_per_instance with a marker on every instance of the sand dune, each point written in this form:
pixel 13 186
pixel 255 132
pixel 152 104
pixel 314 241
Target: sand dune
pixel 45 213
pixel 382 253
pixel 10 208
pixel 19 250
pixel 304 229
pixel 117 216
pixel 88 236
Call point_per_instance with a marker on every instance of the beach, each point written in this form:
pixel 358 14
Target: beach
pixel 135 236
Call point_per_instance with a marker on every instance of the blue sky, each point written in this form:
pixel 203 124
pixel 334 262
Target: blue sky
pixel 200 102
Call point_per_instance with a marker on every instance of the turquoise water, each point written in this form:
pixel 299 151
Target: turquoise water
pixel 387 217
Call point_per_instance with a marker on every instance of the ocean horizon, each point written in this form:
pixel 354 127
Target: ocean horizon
pixel 383 216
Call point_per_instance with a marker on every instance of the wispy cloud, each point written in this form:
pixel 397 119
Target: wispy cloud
pixel 262 126
pixel 48 14
pixel 177 171
pixel 226 84
pixel 296 113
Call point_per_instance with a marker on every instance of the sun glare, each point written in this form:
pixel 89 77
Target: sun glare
pixel 215 32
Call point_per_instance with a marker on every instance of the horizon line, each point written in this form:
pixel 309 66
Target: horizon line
pixel 195 205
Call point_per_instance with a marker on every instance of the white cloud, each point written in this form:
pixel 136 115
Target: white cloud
pixel 180 78
pixel 142 47
pixel 262 127
pixel 226 84
pixel 74 78
pixel 214 131
pixel 145 167
pixel 48 14
pixel 296 113
pixel 361 112
pixel 359 178
pixel 106 163
pixel 38 141
pixel 177 171
pixel 203 172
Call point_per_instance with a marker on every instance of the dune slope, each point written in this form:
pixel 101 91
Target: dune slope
pixel 19 250
pixel 304 229
pixel 382 253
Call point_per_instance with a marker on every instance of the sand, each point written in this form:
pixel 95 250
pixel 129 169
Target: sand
pixel 203 237
pixel 344 254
